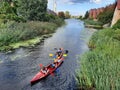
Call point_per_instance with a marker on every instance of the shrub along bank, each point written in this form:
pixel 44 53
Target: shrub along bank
pixel 93 24
pixel 100 67
pixel 22 20
pixel 13 32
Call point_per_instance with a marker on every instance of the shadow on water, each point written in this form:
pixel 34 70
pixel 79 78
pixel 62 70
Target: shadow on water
pixel 19 67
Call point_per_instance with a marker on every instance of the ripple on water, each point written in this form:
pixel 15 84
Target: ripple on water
pixel 1 61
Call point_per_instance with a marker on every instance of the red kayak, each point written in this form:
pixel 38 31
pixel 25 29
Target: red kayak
pixel 50 69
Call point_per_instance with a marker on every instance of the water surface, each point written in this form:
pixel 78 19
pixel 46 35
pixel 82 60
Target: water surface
pixel 19 67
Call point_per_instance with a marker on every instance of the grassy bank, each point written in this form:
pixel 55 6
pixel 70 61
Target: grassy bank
pixel 100 67
pixel 13 32
pixel 93 24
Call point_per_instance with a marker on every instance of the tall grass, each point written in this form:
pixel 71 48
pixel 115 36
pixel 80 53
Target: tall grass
pixel 15 32
pixel 91 22
pixel 100 67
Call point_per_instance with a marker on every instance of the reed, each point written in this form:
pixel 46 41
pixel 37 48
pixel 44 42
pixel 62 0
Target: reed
pixel 100 67
pixel 24 31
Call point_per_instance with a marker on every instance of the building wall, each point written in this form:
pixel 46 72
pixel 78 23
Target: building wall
pixel 93 13
pixel 116 15
pixel 118 4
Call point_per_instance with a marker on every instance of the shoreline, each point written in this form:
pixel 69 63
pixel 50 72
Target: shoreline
pixel 26 43
pixel 94 26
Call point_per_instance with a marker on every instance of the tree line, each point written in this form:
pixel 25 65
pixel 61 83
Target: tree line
pixel 27 10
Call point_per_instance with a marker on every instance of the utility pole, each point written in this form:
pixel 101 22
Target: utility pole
pixel 54 5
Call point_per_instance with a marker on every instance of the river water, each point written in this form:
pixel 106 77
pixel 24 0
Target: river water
pixel 18 67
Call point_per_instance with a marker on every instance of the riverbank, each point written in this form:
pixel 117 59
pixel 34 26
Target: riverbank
pixel 93 24
pixel 26 43
pixel 14 35
pixel 99 67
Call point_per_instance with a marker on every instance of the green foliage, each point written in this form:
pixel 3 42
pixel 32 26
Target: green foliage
pixel 86 15
pixel 34 10
pixel 54 19
pixel 24 31
pixel 117 25
pixel 67 14
pixel 14 32
pixel 61 15
pixel 7 12
pixel 106 16
pixel 80 17
pixel 100 67
pixel 91 22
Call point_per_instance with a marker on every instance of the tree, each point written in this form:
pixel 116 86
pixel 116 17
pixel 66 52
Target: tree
pixel 61 15
pixel 86 15
pixel 33 9
pixel 8 12
pixel 67 15
pixel 80 17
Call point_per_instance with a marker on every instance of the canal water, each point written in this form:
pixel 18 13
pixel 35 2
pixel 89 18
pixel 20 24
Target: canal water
pixel 19 67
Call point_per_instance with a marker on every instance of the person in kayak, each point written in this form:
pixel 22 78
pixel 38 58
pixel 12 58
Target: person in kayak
pixel 44 70
pixel 60 50
pixel 53 65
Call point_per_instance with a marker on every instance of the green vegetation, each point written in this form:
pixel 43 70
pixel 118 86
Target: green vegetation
pixel 33 10
pixel 64 15
pixel 21 20
pixel 8 12
pixel 93 24
pixel 61 15
pixel 107 15
pixel 117 25
pixel 15 32
pixel 100 67
pixel 86 15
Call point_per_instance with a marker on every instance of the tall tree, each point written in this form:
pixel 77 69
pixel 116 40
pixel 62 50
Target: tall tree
pixel 7 11
pixel 67 14
pixel 61 15
pixel 86 15
pixel 33 9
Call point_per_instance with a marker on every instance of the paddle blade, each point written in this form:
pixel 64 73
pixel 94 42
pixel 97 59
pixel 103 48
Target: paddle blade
pixel 65 55
pixel 50 55
pixel 41 65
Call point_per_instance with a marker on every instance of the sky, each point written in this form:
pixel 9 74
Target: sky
pixel 78 7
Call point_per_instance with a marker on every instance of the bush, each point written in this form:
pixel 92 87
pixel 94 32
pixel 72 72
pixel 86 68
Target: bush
pixel 99 69
pixel 117 25
pixel 107 15
pixel 24 31
pixel 91 22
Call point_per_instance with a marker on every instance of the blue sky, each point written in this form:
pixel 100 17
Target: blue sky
pixel 78 7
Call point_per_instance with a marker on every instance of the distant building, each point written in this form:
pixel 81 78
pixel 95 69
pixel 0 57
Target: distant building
pixel 93 13
pixel 51 12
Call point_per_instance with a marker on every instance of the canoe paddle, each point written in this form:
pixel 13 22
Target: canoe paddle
pixel 52 55
pixel 65 54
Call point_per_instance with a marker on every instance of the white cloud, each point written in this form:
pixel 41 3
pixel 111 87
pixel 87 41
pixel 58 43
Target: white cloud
pixel 96 1
pixel 81 1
